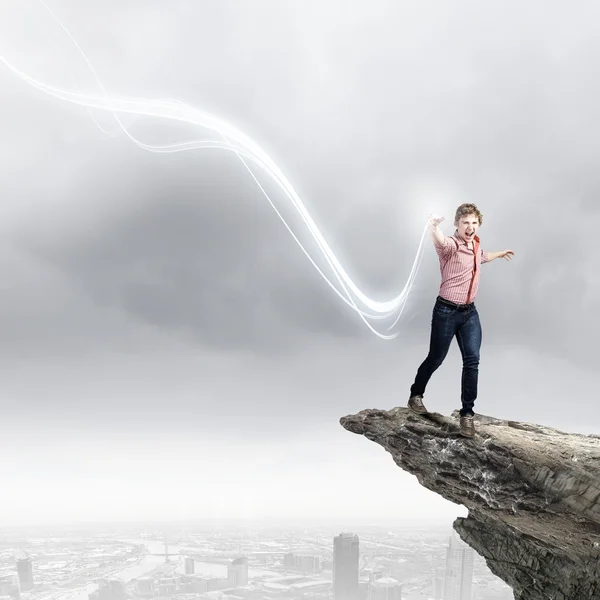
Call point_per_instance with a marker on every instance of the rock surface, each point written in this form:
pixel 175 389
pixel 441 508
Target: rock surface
pixel 532 492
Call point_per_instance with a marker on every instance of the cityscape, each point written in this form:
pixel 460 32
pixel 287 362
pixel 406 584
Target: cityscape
pixel 242 562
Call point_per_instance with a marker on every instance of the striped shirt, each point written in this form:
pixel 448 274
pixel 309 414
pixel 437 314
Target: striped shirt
pixel 460 268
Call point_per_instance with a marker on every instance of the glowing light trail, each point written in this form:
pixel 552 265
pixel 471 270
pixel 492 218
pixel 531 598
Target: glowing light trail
pixel 246 150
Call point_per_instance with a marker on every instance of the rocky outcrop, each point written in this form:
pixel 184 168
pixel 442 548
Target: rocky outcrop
pixel 532 492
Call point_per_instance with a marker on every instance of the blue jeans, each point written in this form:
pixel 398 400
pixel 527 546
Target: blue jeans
pixel 447 322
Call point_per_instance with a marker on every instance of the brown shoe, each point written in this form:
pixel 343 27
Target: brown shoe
pixel 415 403
pixel 467 427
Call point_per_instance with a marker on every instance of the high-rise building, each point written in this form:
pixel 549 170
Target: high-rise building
pixel 237 572
pixel 438 588
pixel 189 565
pixel 345 566
pixel 458 579
pixel 25 572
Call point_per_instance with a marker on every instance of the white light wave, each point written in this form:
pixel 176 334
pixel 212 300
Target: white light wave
pixel 245 148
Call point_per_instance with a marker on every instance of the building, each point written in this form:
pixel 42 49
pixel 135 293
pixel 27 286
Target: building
pixel 437 588
pixel 302 561
pixel 288 560
pixel 193 584
pixel 386 588
pixel 167 586
pixel 102 593
pixel 109 589
pixel 307 563
pixel 345 566
pixel 25 572
pixel 237 572
pixel 189 565
pixel 144 586
pixel 9 585
pixel 458 579
pixel 117 588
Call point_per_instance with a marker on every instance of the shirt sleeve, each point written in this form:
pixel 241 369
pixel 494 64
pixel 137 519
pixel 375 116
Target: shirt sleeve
pixel 484 257
pixel 447 249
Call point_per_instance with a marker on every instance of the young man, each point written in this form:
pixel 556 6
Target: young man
pixel 454 312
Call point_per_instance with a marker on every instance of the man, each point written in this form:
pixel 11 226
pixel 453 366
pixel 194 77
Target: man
pixel 454 312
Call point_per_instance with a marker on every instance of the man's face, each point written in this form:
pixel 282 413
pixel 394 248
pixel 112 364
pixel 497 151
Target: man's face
pixel 467 227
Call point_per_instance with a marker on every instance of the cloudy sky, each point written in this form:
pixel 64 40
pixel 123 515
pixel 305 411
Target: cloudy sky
pixel 168 350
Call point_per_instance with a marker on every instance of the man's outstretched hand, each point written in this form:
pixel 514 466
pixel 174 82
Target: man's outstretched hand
pixel 434 221
pixel 507 254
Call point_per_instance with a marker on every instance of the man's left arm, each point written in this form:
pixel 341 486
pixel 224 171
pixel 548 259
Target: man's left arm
pixel 489 256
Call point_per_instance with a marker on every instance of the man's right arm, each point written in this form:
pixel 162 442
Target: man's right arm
pixel 437 235
pixel 444 246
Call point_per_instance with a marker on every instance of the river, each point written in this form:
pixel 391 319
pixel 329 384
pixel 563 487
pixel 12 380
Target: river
pixel 147 564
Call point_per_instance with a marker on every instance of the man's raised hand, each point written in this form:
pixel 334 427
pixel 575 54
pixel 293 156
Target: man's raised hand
pixel 435 220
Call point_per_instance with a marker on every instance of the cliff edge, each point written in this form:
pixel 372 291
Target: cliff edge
pixel 532 492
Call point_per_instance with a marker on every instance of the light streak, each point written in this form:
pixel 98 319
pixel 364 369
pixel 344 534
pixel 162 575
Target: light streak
pixel 245 149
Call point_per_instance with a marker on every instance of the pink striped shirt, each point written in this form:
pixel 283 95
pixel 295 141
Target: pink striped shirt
pixel 460 268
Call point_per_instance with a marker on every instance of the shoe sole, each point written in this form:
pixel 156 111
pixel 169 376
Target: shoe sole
pixel 418 412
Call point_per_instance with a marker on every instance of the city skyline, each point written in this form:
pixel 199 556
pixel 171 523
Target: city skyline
pixel 250 564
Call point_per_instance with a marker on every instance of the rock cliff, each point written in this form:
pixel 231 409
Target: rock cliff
pixel 532 492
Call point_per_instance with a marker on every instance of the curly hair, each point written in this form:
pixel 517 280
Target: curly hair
pixel 468 209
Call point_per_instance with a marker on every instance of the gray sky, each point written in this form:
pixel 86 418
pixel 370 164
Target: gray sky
pixel 158 321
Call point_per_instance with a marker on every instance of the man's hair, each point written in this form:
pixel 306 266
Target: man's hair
pixel 467 209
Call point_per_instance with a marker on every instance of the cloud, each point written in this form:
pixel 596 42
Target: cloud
pixel 358 111
pixel 377 115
